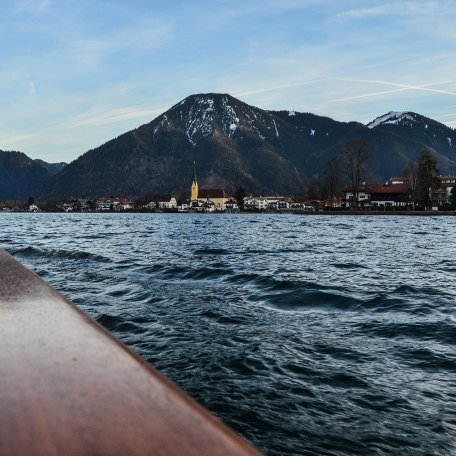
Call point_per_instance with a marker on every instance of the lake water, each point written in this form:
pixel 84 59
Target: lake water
pixel 329 335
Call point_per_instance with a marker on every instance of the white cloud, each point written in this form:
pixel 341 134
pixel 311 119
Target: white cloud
pixel 406 8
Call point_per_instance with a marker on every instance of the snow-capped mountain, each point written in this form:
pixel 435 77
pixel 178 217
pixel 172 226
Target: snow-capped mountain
pixel 235 144
pixel 435 135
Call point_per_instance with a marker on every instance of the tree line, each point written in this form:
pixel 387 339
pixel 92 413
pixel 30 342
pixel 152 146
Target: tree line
pixel 350 168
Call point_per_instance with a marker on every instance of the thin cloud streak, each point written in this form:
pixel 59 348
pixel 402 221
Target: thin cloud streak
pixel 367 95
pixel 392 9
pixel 116 115
pixel 400 88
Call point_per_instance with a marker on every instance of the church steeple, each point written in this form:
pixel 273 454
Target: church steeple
pixel 194 191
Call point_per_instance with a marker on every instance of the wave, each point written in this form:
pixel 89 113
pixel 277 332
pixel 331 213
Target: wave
pixel 211 251
pixel 115 323
pixel 38 252
pixel 440 331
pixel 315 300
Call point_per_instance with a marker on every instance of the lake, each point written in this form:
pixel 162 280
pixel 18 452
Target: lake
pixel 327 335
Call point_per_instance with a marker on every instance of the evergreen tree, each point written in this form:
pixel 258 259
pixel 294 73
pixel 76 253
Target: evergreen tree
pixel 453 195
pixel 240 195
pixel 427 180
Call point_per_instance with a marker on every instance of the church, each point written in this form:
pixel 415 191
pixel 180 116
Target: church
pixel 213 196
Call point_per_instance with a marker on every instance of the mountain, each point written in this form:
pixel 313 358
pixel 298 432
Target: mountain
pixel 53 168
pixel 21 176
pixel 235 144
pixel 434 135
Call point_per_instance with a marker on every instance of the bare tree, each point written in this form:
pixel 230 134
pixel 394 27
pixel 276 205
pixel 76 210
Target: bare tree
pixel 411 177
pixel 355 155
pixel 333 173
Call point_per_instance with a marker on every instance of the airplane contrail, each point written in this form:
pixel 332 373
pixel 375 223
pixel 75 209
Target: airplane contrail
pixel 400 87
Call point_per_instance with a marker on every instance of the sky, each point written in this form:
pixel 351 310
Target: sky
pixel 77 73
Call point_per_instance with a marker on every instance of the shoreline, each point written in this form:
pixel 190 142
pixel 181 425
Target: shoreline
pixel 403 213
pixel 305 213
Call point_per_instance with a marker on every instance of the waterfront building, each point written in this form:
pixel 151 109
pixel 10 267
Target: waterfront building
pixel 379 195
pixel 263 203
pixel 168 203
pixel 212 199
pixel 442 194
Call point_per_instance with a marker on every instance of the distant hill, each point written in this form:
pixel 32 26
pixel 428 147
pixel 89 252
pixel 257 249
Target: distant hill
pixel 53 168
pixel 21 176
pixel 235 144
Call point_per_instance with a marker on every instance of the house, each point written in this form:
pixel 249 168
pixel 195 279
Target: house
pixel 184 207
pixel 256 203
pixel 379 195
pixel 397 192
pixel 442 194
pixel 168 203
pixel 126 204
pixel 264 203
pixel 278 203
pixel 231 205
pixel 106 204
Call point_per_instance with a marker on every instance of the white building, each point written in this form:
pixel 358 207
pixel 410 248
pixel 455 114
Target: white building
pixel 170 204
pixel 442 195
pixel 263 203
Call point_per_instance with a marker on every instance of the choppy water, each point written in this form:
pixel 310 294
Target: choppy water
pixel 308 335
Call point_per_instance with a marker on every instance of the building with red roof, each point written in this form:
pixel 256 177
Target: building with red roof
pixel 385 195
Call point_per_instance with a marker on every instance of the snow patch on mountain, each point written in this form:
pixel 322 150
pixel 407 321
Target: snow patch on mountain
pixel 449 141
pixel 200 119
pixel 275 126
pixel 164 122
pixel 392 118
pixel 230 120
pixel 251 119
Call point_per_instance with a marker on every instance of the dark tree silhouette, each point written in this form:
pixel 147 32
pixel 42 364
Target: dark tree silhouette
pixel 453 195
pixel 427 177
pixel 240 195
pixel 332 176
pixel 411 177
pixel 355 155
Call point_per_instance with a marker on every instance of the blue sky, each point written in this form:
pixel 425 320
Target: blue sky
pixel 78 73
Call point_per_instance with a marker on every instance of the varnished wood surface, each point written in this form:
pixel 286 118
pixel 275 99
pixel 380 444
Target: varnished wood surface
pixel 69 388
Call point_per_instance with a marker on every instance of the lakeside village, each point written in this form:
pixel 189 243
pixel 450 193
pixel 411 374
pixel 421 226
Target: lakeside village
pixel 396 194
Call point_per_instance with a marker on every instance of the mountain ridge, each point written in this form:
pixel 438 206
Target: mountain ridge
pixel 21 176
pixel 235 144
